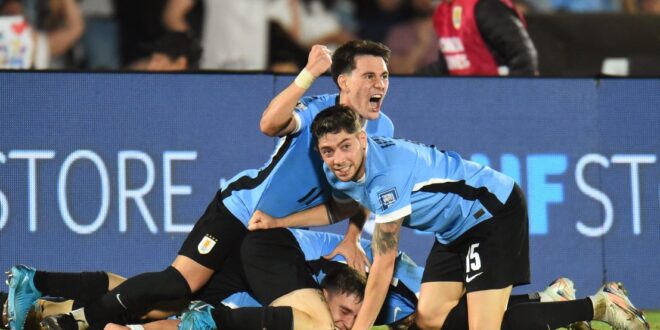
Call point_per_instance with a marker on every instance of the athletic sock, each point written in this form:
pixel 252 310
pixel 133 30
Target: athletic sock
pixel 83 287
pixel 136 296
pixel 247 318
pixel 550 315
pixel 523 298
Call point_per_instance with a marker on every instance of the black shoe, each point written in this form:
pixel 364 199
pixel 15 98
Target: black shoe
pixel 59 322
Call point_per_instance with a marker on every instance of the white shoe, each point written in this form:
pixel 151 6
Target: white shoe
pixel 611 305
pixel 561 289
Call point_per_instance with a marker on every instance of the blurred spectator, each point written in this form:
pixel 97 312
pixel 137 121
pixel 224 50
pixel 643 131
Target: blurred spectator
pixel 174 51
pixel 413 43
pixel 376 17
pixel 100 43
pixel 59 24
pixel 234 34
pixel 650 7
pixel 296 25
pixel 310 22
pixel 140 23
pixel 482 37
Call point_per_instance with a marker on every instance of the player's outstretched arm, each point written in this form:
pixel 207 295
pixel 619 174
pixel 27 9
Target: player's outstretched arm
pixel 385 247
pixel 277 119
pixel 319 215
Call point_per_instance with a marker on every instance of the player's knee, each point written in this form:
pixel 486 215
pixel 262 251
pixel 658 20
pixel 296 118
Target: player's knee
pixel 432 316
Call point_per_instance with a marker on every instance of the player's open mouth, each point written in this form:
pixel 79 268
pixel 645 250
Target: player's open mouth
pixel 374 101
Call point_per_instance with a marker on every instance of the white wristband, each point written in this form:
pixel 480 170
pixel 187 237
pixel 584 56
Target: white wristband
pixel 304 79
pixel 135 326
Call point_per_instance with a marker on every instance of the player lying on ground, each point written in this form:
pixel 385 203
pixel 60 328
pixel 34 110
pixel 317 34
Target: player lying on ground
pixel 399 305
pixel 478 215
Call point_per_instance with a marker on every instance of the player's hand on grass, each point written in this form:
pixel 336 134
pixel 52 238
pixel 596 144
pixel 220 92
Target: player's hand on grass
pixel 319 60
pixel 261 220
pixel 354 254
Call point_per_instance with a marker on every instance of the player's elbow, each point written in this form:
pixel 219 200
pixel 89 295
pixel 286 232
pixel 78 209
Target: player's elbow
pixel 266 126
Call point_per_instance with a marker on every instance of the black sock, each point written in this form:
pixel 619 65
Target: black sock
pixel 522 298
pixel 550 315
pixel 82 287
pixel 248 318
pixel 136 296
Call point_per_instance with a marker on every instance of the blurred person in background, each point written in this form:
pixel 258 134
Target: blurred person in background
pixel 58 24
pixel 234 33
pixel 413 43
pixel 651 7
pixel 141 23
pixel 100 42
pixel 173 51
pixel 482 38
pixel 376 17
pixel 296 25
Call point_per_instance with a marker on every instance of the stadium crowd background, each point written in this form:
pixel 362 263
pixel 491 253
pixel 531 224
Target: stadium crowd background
pixel 573 37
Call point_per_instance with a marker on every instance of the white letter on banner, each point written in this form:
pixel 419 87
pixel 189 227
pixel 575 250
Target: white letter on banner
pixel 4 205
pixel 169 189
pixel 634 161
pixel 595 194
pixel 136 194
pixel 32 156
pixel 105 192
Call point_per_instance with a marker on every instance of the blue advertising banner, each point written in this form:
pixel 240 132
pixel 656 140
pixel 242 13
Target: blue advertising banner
pixel 109 171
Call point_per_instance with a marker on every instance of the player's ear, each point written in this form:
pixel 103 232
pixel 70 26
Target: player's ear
pixel 362 136
pixel 342 81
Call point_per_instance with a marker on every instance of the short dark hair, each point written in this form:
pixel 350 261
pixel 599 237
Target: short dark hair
pixel 345 280
pixel 335 119
pixel 343 59
pixel 177 44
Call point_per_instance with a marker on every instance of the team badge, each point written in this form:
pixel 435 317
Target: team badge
pixel 387 198
pixel 457 16
pixel 206 244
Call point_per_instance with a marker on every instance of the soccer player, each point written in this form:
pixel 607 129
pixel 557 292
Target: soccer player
pixel 290 181
pixel 288 256
pixel 478 215
pixel 523 311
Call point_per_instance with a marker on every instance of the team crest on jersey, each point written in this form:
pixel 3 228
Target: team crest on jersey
pixel 457 16
pixel 387 198
pixel 206 244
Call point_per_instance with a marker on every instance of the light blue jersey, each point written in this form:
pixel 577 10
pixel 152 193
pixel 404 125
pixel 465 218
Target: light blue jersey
pixel 401 299
pixel 292 180
pixel 433 191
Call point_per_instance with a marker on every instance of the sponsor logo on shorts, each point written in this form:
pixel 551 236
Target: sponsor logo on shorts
pixel 387 198
pixel 469 278
pixel 206 244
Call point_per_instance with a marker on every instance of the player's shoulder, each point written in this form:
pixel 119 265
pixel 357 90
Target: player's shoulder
pixel 320 101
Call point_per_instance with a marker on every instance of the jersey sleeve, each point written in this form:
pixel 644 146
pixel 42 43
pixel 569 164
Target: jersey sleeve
pixel 307 109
